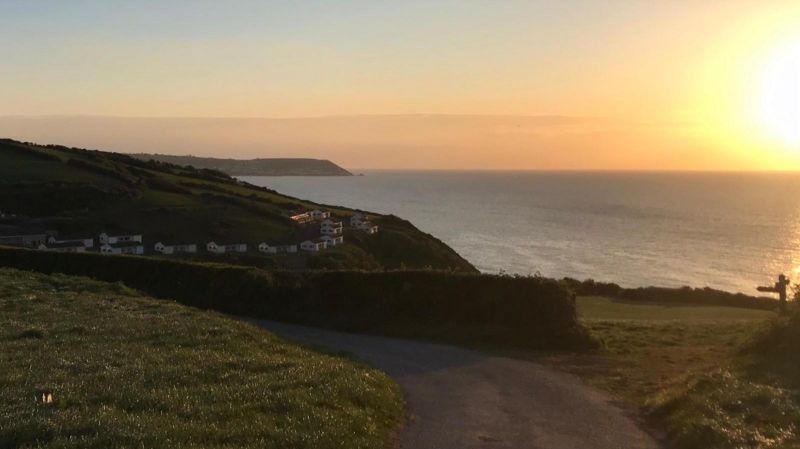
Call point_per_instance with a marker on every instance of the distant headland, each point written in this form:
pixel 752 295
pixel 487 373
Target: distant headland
pixel 255 167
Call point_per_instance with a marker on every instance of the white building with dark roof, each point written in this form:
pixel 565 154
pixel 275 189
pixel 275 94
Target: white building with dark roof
pixel 132 248
pixel 330 227
pixel 24 240
pixel 313 246
pixel 117 239
pixel 367 227
pixel 212 247
pixel 317 214
pixel 167 249
pixel 74 246
pixel 332 240
pixel 265 247
pixel 301 217
pixel 217 248
pixel 357 218
pixel 87 242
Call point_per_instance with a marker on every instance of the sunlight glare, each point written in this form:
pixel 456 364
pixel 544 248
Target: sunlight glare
pixel 779 112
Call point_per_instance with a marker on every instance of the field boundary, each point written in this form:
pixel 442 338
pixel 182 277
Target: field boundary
pixel 524 312
pixel 684 295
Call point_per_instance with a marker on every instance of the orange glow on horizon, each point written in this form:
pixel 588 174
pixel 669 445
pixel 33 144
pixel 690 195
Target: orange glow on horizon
pixel 536 85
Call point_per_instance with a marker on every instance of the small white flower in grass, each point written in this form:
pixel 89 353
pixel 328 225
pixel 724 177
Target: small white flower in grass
pixel 47 398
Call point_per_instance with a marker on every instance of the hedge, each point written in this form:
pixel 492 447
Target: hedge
pixel 524 312
pixel 684 295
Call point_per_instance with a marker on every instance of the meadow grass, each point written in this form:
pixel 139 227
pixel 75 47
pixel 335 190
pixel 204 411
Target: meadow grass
pixel 697 372
pixel 636 327
pixel 752 401
pixel 85 364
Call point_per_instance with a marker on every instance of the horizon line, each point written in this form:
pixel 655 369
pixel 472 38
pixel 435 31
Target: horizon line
pixel 312 116
pixel 579 170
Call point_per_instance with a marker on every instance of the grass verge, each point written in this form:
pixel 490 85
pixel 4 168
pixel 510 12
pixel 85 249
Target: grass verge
pixel 706 377
pixel 128 371
pixel 753 401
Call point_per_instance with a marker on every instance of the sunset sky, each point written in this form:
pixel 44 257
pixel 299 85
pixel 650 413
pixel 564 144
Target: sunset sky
pixel 575 84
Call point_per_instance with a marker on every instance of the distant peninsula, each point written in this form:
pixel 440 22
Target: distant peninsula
pixel 254 167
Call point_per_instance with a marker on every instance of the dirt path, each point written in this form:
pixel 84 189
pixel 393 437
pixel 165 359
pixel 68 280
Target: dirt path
pixel 462 399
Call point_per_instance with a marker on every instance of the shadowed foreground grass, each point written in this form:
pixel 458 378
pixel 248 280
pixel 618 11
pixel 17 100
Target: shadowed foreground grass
pixel 752 401
pixel 129 371
pixel 638 328
pixel 708 377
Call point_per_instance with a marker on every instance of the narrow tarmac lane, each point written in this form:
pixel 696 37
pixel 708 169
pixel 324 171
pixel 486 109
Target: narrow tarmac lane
pixel 463 399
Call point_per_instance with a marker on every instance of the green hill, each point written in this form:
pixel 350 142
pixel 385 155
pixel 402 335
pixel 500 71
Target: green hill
pixel 83 193
pixel 255 167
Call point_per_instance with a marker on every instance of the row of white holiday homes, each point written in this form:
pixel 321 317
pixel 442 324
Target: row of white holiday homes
pixel 109 244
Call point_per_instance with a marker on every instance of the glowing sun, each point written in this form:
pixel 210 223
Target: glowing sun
pixel 779 109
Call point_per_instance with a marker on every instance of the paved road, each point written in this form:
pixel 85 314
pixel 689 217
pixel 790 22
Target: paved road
pixel 462 399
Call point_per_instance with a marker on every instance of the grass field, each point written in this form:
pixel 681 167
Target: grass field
pixel 751 400
pixel 693 372
pixel 127 371
pixel 636 327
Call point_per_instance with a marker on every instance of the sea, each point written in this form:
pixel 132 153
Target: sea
pixel 731 231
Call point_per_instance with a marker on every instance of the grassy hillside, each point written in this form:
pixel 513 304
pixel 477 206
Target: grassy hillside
pixel 255 167
pixel 79 192
pixel 128 371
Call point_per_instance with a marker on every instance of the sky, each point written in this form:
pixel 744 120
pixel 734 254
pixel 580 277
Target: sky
pixel 436 84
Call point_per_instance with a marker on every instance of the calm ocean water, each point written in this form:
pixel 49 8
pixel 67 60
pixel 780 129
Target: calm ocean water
pixel 728 231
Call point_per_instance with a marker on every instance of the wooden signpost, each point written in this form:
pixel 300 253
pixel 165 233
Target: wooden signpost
pixel 780 289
